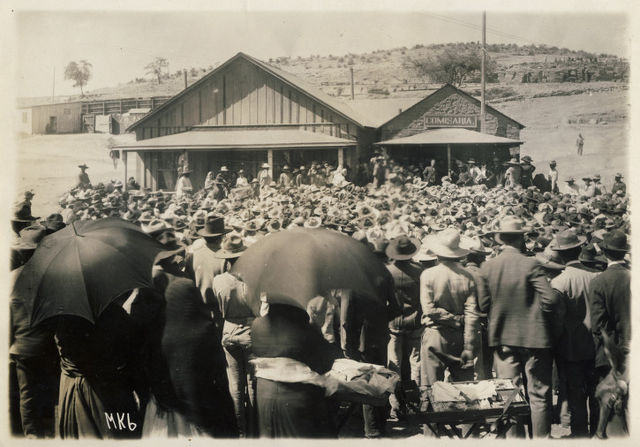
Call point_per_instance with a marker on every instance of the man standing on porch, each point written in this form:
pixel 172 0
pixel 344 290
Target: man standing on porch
pixel 264 178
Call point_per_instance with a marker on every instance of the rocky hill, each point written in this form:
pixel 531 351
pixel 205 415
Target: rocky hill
pixel 392 72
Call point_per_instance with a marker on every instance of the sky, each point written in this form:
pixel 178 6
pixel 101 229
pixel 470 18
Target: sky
pixel 119 43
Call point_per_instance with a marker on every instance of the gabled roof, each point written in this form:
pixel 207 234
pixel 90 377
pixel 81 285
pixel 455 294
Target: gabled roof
pixel 448 136
pixel 238 139
pixel 466 95
pixel 289 79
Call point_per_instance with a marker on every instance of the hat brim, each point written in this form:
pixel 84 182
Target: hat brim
pixel 443 251
pixel 392 250
pixel 604 246
pixel 225 254
pixel 204 233
pixel 581 240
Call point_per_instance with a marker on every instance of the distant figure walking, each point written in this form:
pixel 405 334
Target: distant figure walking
pixel 580 143
pixel 114 155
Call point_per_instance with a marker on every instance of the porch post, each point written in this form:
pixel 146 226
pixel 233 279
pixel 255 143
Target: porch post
pixel 340 157
pixel 270 161
pixel 449 159
pixel 124 160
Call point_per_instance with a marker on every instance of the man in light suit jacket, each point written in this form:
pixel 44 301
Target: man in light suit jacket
pixel 514 291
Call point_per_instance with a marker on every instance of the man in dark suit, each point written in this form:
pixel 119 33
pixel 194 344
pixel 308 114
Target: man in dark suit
pixel 575 349
pixel 610 299
pixel 514 291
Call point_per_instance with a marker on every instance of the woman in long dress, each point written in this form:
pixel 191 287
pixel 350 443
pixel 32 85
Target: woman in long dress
pixel 291 409
pixel 189 388
pixel 99 376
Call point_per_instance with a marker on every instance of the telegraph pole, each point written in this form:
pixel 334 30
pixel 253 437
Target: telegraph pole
pixel 53 89
pixel 482 76
pixel 352 86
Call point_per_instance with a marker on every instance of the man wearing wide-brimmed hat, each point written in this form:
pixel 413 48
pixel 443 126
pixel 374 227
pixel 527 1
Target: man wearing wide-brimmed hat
pixel 405 330
pixel 513 173
pixel 22 216
pixel 589 188
pixel 610 300
pixel 575 348
pixel 230 293
pixel 448 301
pixel 521 305
pixel 618 185
pixel 203 263
pixel 83 177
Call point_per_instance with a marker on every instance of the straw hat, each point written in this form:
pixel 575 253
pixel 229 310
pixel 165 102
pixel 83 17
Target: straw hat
pixel 446 244
pixel 313 222
pixel 232 247
pixel 474 245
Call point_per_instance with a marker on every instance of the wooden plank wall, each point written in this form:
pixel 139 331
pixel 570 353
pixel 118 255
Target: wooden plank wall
pixel 244 94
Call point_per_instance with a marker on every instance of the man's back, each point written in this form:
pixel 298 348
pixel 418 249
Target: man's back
pixel 573 283
pixel 610 302
pixel 515 291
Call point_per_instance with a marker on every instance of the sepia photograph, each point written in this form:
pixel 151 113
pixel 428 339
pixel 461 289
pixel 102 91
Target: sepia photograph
pixel 317 220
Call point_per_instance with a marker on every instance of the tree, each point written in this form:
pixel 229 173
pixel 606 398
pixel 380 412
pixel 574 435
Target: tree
pixel 79 72
pixel 454 66
pixel 157 67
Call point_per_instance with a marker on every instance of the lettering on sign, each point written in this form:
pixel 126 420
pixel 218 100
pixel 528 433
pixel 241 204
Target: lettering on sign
pixel 450 121
pixel 118 422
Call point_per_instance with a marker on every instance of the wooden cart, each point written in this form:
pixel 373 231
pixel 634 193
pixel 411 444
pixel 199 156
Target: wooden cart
pixel 465 419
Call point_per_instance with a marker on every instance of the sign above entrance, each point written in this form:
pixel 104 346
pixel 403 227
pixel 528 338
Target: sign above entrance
pixel 450 121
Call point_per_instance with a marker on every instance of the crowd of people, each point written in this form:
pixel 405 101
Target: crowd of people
pixel 495 275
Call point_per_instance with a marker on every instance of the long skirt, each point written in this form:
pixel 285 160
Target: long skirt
pixel 167 424
pixel 292 410
pixel 97 410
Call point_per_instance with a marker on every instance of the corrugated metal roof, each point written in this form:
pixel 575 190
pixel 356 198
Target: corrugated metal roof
pixel 380 110
pixel 449 136
pixel 239 139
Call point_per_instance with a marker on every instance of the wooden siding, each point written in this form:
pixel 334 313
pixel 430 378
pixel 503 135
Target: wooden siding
pixel 244 94
pixel 68 117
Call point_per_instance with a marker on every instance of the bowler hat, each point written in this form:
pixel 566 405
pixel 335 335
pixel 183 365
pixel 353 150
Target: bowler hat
pixel 566 240
pixel 446 244
pixel 232 247
pixel 614 240
pixel 589 254
pixel 402 248
pixel 213 226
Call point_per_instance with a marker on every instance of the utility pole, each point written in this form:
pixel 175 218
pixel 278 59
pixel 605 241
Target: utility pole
pixel 53 89
pixel 483 127
pixel 352 87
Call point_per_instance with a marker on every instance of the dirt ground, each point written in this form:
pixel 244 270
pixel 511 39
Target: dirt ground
pixel 48 163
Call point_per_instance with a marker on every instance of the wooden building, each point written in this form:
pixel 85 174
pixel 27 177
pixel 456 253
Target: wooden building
pixel 242 114
pixel 445 126
pixel 63 117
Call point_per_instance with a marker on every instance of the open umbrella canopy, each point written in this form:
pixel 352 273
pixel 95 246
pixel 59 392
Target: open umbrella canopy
pixel 82 268
pixel 298 264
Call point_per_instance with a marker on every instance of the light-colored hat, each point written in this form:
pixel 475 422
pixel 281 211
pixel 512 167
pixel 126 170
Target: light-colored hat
pixel 313 222
pixel 549 259
pixel 224 169
pixel 474 245
pixel 265 166
pixel 155 226
pixel 232 247
pixel 446 244
pixel 511 225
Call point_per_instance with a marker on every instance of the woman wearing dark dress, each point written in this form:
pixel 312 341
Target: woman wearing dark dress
pixel 189 387
pixel 99 376
pixel 291 410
